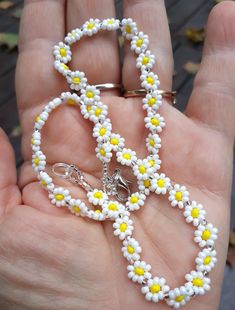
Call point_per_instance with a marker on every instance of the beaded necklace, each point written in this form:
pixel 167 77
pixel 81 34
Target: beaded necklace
pixel 109 203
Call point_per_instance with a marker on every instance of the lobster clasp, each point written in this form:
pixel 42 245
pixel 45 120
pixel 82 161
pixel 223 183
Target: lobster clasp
pixel 122 189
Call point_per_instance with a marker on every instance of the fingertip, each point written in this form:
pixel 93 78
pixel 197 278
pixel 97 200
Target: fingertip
pixel 220 30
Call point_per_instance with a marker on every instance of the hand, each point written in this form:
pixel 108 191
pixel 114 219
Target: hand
pixel 50 259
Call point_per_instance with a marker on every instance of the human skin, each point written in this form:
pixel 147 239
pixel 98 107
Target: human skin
pixel 50 259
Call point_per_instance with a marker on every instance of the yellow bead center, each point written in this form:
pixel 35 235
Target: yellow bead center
pixel 130 249
pixel 142 169
pixel 179 298
pixel 152 162
pixel 65 66
pixel 155 121
pixel 126 156
pixel 98 195
pixel 151 101
pixel 36 161
pixel 160 183
pixel 147 183
pixel 110 22
pixel 139 42
pixel 90 94
pixel 145 60
pixel 97 211
pixel 152 142
pixel 207 260
pixel 155 288
pixel 123 227
pixel 114 141
pixel 76 80
pixel 59 197
pixel 206 235
pixel 71 101
pixel 134 199
pixel 63 52
pixel 98 112
pixel 44 183
pixel 195 212
pixel 90 26
pixel 113 207
pixel 102 152
pixel 128 29
pixel 76 209
pixel 198 282
pixel 150 80
pixel 139 271
pixel 38 118
pixel 102 131
pixel 32 141
pixel 178 196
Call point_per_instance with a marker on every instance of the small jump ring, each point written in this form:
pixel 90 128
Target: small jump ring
pixel 61 170
pixel 142 92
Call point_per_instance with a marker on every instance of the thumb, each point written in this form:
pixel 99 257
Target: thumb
pixel 9 191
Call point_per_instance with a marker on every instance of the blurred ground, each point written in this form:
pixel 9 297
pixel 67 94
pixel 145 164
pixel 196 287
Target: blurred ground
pixel 184 16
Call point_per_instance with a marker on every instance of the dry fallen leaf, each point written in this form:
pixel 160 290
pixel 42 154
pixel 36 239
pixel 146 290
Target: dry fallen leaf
pixel 4 5
pixel 196 35
pixel 16 131
pixel 191 67
pixel 17 13
pixel 9 39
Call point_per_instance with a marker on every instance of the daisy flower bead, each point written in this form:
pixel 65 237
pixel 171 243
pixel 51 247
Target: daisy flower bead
pixel 178 196
pixel 102 131
pixel 152 101
pixel 135 201
pixel 179 296
pixel 112 209
pixel 154 161
pixel 70 98
pixel 97 197
pixel 110 24
pixel 139 271
pixel 36 141
pixel 96 215
pixel 39 161
pixel 206 260
pixel 40 120
pixel 198 282
pixel 46 180
pixel 62 52
pixel 142 169
pixel 76 80
pixel 194 213
pixel 149 80
pixel 98 112
pixel 128 28
pixel 131 249
pixel 62 68
pixel 155 289
pixel 144 186
pixel 205 235
pixel 123 227
pixel 116 141
pixel 77 207
pixel 73 36
pixel 59 196
pixel 160 183
pixel 91 27
pixel 90 94
pixel 145 60
pixel 104 152
pixel 139 43
pixel 126 157
pixel 154 122
pixel 153 143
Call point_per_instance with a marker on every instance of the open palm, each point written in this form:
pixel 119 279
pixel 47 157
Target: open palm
pixel 50 259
